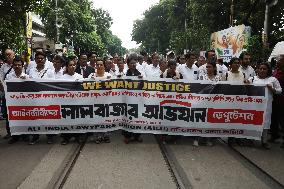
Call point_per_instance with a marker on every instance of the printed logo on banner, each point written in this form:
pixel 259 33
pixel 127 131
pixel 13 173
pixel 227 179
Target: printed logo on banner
pixel 34 112
pixel 235 116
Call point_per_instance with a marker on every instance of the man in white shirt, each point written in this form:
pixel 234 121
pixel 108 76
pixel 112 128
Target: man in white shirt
pixel 210 56
pixel 189 70
pixel 41 72
pixel 140 66
pixel 33 64
pixel 92 59
pixel 222 66
pixel 153 70
pixel 120 71
pixel 145 59
pixel 58 63
pixel 6 68
pixel 245 67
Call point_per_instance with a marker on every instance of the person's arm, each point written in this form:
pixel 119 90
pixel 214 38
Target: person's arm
pixel 275 86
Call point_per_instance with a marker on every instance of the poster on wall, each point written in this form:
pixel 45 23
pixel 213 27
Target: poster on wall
pixel 230 42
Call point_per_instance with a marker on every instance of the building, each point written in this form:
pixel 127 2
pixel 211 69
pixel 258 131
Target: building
pixel 39 41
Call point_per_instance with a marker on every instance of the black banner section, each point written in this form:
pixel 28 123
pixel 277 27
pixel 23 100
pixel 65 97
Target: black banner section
pixel 127 84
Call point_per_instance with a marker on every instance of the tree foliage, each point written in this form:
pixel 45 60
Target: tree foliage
pixel 181 24
pixel 89 28
pixel 13 21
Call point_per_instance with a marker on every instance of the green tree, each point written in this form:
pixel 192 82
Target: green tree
pixel 77 20
pixel 202 18
pixel 13 22
pixel 103 23
pixel 153 31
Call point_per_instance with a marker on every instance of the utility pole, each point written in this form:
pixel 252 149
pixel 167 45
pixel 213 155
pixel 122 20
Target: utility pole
pixel 56 21
pixel 232 14
pixel 269 4
pixel 185 25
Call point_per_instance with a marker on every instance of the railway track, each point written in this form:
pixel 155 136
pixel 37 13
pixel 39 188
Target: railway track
pixel 176 171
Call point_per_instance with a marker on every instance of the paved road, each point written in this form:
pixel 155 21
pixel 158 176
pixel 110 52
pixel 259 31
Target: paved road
pixel 17 161
pixel 141 165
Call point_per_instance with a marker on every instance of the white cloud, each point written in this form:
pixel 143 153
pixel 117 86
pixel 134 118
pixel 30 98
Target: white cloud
pixel 123 13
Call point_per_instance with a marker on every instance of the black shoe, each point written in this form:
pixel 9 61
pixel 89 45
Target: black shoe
pixel 273 139
pixel 231 141
pixel 49 140
pixel 282 145
pixel 25 138
pixel 12 141
pixel 64 142
pixel 7 136
pixel 265 146
pixel 99 140
pixel 106 139
pixel 139 139
pixel 34 141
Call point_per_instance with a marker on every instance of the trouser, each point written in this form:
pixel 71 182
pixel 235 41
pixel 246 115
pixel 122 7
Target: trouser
pixel 128 134
pixel 68 136
pixel 264 136
pixel 277 119
pixel 17 137
pixel 101 134
pixel 36 136
pixel 5 115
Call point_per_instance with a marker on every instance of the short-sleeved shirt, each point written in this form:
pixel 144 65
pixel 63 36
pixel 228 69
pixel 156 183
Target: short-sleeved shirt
pixel 189 73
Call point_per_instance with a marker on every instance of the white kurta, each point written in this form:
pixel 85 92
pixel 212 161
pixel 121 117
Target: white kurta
pixel 276 85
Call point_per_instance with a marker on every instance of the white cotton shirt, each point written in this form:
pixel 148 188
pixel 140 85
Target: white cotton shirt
pixel 94 75
pixel 74 77
pixel 224 68
pixel 117 72
pixel 152 71
pixel 58 74
pixel 216 78
pixel 4 69
pixel 33 64
pixel 140 67
pixel 14 76
pixel 230 76
pixel 276 85
pixel 203 71
pixel 188 73
pixel 249 71
pixel 42 74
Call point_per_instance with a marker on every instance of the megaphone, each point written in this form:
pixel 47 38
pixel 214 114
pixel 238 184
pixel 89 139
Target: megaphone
pixel 58 23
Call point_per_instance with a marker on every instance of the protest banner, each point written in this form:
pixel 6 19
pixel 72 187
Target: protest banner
pixel 230 42
pixel 157 106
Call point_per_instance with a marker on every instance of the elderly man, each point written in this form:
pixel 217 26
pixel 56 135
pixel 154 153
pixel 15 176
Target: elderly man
pixel 4 71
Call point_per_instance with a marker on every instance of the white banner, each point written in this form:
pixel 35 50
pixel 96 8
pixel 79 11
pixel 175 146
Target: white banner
pixel 146 106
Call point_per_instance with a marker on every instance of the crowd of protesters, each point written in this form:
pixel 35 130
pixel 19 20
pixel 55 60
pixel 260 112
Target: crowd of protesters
pixel 189 67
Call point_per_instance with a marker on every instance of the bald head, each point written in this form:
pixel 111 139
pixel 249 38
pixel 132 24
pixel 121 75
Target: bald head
pixel 9 55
